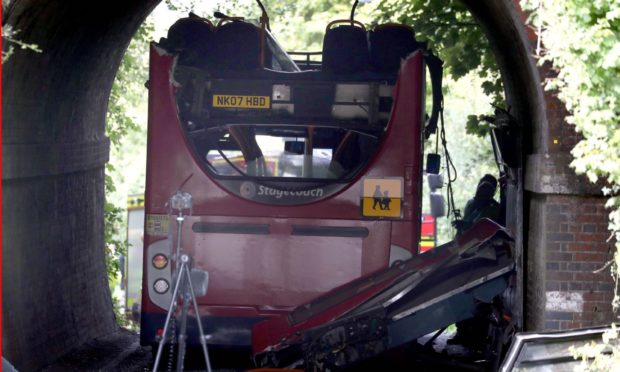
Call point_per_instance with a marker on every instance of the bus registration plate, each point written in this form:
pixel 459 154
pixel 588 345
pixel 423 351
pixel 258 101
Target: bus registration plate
pixel 245 102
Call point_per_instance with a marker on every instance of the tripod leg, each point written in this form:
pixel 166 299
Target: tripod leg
pixel 183 332
pixel 203 340
pixel 162 341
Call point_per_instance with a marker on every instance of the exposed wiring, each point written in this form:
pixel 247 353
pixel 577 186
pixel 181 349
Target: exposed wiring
pixel 450 168
pixel 437 137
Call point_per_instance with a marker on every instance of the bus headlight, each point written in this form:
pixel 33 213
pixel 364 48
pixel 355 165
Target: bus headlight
pixel 161 286
pixel 159 261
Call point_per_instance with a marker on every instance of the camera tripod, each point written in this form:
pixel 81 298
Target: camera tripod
pixel 184 289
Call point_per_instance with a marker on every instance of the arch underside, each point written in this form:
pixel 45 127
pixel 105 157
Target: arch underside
pixel 55 290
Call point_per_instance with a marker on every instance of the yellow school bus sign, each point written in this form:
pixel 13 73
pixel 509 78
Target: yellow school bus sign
pixel 382 197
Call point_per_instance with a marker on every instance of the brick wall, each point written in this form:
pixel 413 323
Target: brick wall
pixel 562 135
pixel 568 285
pixel 578 291
pixel 567 247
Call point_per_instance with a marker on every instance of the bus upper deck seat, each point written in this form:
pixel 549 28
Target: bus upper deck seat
pixel 345 48
pixel 232 45
pixel 237 47
pixel 389 44
pixel 192 38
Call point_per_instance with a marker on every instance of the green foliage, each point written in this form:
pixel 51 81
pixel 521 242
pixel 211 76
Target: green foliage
pixel 581 39
pixel 456 37
pixel 300 25
pixel 599 357
pixel 587 80
pixel 127 92
pixel 115 247
pixel 9 35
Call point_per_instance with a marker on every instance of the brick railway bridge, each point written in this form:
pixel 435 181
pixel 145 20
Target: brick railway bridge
pixel 54 289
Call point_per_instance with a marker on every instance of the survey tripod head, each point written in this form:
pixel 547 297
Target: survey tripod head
pixel 180 204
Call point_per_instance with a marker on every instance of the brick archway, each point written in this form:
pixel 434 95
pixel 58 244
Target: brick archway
pixel 54 282
pixel 55 291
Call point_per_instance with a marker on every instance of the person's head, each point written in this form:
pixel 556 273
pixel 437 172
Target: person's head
pixel 486 187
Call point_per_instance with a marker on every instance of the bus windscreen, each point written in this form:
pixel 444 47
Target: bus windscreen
pixel 306 152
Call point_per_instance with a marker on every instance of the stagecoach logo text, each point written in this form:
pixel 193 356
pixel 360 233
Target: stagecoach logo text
pixel 314 193
pixel 248 190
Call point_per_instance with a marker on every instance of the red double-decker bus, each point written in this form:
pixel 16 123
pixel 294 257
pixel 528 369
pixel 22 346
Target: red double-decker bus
pixel 301 180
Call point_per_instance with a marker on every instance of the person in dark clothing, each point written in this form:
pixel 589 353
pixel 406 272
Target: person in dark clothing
pixel 482 205
pixel 472 332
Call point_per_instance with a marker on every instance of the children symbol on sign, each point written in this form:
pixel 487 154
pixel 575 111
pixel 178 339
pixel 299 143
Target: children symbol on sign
pixel 385 202
pixel 381 199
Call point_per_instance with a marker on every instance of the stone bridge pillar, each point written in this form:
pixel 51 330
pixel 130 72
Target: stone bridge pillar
pixel 55 292
pixel 567 238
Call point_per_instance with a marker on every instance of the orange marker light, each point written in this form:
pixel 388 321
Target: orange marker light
pixel 160 261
